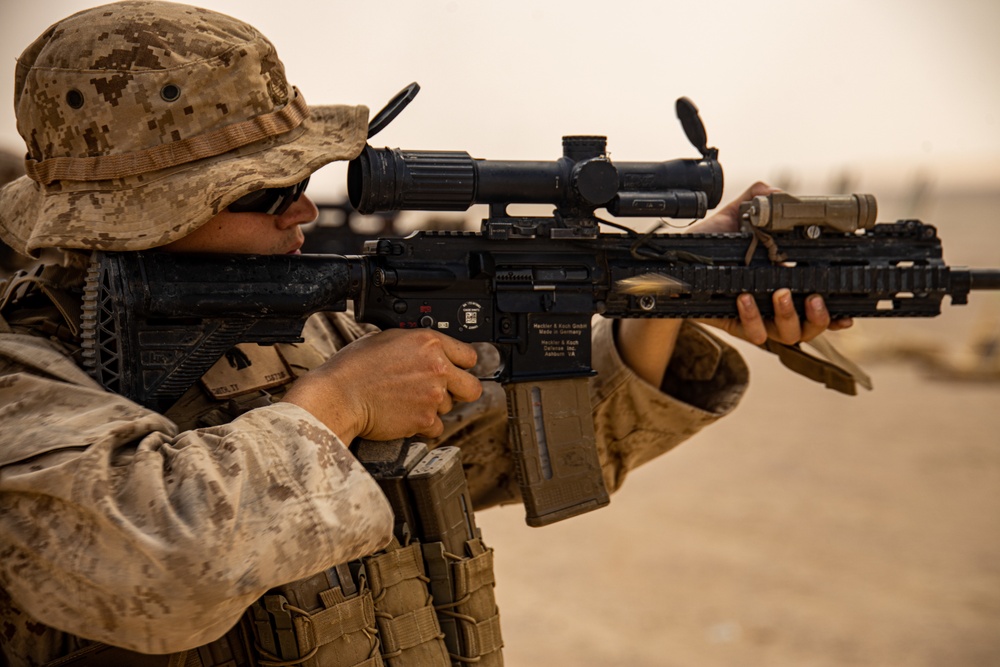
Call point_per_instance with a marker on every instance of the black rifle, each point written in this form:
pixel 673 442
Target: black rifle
pixel 155 322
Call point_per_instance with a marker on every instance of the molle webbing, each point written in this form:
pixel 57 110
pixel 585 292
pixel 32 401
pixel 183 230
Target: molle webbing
pixel 327 620
pixel 476 610
pixel 430 497
pixel 465 602
pixel 408 626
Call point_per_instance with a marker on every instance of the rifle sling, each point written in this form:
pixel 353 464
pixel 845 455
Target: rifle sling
pixel 830 374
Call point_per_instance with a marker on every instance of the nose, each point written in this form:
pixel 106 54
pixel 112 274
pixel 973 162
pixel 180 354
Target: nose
pixel 301 211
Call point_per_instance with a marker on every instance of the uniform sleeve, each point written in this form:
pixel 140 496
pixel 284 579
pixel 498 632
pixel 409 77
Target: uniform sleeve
pixel 117 527
pixel 634 422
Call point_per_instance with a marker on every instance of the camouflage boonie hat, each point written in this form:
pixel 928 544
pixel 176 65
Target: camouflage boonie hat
pixel 143 120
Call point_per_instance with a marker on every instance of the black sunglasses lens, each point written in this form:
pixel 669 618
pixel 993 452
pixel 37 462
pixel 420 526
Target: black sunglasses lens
pixel 290 195
pixel 254 202
pixel 282 203
pixel 273 201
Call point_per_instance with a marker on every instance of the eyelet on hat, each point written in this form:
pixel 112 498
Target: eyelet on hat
pixel 74 98
pixel 170 92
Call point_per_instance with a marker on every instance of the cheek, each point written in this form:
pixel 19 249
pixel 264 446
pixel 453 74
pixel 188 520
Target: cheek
pixel 220 236
pixel 238 235
pixel 235 233
pixel 258 237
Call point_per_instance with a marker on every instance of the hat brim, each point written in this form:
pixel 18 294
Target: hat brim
pixel 150 210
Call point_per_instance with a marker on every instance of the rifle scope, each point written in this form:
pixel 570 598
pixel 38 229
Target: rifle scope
pixel 584 179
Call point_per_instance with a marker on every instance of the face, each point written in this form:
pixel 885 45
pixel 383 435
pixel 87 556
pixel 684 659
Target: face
pixel 250 233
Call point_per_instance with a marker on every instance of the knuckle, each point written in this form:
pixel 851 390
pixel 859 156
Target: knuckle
pixel 439 367
pixel 433 394
pixel 428 340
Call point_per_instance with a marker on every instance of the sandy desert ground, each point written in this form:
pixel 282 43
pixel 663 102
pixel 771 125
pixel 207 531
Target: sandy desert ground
pixel 807 529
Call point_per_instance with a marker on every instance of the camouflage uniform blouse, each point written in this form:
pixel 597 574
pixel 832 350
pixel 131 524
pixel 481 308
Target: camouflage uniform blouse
pixel 122 525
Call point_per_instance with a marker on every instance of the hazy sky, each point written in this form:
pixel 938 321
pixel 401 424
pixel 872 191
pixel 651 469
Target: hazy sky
pixel 886 89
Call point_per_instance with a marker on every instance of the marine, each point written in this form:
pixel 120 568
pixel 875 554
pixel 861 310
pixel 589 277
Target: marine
pixel 241 526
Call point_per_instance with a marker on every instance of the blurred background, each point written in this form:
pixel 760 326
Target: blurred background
pixel 808 528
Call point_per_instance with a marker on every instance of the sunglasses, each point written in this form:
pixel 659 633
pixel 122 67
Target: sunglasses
pixel 273 201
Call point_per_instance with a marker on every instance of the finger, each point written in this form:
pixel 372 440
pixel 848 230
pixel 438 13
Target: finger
pixel 726 219
pixel 446 405
pixel 841 324
pixel 817 318
pixel 757 189
pixel 787 326
pixel 754 329
pixel 461 354
pixel 464 386
pixel 434 429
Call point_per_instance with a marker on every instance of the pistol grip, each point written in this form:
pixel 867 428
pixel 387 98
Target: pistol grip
pixel 555 450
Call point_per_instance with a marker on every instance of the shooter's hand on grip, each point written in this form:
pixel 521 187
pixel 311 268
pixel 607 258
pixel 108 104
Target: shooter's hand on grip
pixel 389 385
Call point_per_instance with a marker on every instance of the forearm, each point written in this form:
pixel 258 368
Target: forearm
pixel 647 345
pixel 636 421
